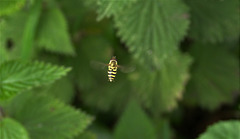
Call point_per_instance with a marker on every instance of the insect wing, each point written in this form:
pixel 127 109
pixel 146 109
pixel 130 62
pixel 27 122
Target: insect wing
pixel 126 69
pixel 98 65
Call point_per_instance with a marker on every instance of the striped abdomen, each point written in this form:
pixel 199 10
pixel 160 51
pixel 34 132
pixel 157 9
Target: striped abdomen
pixel 112 70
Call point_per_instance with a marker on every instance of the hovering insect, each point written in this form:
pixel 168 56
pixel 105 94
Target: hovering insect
pixel 112 68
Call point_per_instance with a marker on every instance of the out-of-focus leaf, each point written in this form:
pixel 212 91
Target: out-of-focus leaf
pixel 75 13
pixel 152 29
pixel 3 51
pixel 62 89
pixel 134 123
pixel 214 78
pixel 214 20
pixel 11 129
pixel 110 7
pixel 159 90
pixel 11 30
pixel 116 94
pixel 29 32
pixel 163 128
pixel 86 135
pixel 101 131
pixel 53 32
pixel 9 6
pixel 3 54
pixel 46 117
pixel 17 76
pixel 223 130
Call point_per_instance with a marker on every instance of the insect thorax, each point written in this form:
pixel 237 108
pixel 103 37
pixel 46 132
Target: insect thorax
pixel 113 64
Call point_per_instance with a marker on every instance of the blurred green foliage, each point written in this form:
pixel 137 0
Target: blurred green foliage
pixel 184 54
pixel 223 130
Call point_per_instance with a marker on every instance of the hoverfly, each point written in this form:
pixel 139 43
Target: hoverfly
pixel 112 68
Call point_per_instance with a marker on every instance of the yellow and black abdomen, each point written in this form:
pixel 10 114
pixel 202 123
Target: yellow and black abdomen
pixel 112 71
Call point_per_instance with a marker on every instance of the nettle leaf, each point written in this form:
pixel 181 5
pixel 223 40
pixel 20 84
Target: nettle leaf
pixel 134 123
pixel 107 8
pixel 10 129
pixel 215 77
pixel 214 20
pixel 152 29
pixel 223 130
pixel 17 76
pixel 53 33
pixel 46 117
pixel 159 90
pixel 9 6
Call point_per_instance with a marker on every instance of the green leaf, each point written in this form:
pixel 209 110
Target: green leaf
pixel 159 90
pixel 223 130
pixel 108 8
pixel 214 20
pixel 46 117
pixel 215 77
pixel 115 95
pixel 17 76
pixel 134 123
pixel 10 129
pixel 53 33
pixel 3 51
pixel 101 131
pixel 86 135
pixel 163 128
pixel 62 89
pixel 9 6
pixel 29 30
pixel 152 29
pixel 12 28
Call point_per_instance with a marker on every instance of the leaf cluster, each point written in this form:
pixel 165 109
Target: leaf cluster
pixel 183 52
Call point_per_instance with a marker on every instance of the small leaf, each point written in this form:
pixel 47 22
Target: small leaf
pixel 152 29
pixel 134 123
pixel 53 33
pixel 215 77
pixel 223 130
pixel 46 117
pixel 17 76
pixel 10 129
pixel 214 20
pixel 9 6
